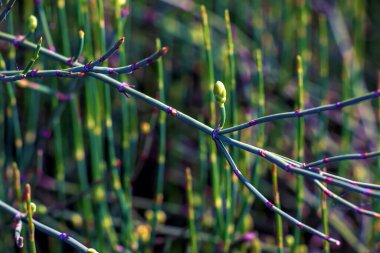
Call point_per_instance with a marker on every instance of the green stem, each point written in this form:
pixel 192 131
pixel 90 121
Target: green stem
pixel 211 81
pixel 191 213
pixel 32 245
pixel 300 153
pixel 232 184
pixel 162 145
pixel 127 158
pixel 325 220
pixel 45 26
pixel 279 234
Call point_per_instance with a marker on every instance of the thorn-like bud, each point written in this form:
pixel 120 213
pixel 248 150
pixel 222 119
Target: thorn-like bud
pixel 32 23
pixel 164 50
pixel 220 93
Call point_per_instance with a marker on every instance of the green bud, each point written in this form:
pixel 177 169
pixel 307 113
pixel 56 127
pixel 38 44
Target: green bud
pixel 81 34
pixel 32 23
pixel 33 206
pixel 2 63
pixel 220 93
pixel 91 250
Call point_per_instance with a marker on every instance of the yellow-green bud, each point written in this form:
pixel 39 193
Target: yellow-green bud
pixel 81 34
pixel 91 250
pixel 32 23
pixel 220 93
pixel 33 206
pixel 2 63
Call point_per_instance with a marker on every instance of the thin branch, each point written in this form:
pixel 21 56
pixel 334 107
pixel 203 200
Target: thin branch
pixel 46 229
pixel 338 158
pixel 6 10
pixel 346 203
pixel 267 203
pixel 301 113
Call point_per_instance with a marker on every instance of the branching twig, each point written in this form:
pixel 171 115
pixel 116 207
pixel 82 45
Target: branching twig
pixel 267 202
pixel 283 162
pixel 46 229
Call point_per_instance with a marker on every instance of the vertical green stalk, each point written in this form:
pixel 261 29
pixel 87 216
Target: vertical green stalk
pixel 346 123
pixel 210 63
pixel 191 214
pixel 79 153
pixel 127 158
pixel 229 227
pixel 231 184
pixel 288 27
pixel 105 98
pixel 57 141
pixel 258 164
pixel 201 186
pixel 132 115
pixel 323 72
pixel 232 70
pixel 29 210
pixel 94 132
pixel 258 23
pixel 325 220
pixel 162 144
pixel 279 235
pixel 202 160
pixel 303 14
pixel 324 59
pixel 359 35
pixel 32 116
pixel 17 185
pixel 44 23
pixel 300 152
pixel 214 164
pixel 14 138
pixel 19 201
pixel 260 112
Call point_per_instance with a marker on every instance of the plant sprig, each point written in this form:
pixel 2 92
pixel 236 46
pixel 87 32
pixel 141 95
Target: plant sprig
pixel 285 163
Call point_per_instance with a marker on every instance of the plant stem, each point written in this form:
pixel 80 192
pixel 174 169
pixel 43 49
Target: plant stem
pixel 191 213
pixel 212 149
pixel 300 152
pixel 232 184
pixel 279 235
pixel 161 145
pixel 44 228
pixel 29 211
